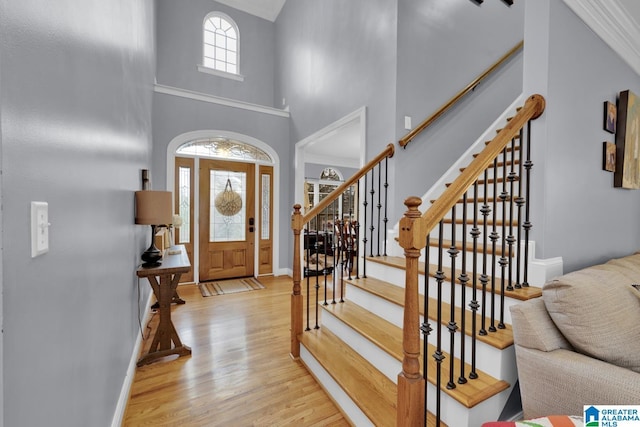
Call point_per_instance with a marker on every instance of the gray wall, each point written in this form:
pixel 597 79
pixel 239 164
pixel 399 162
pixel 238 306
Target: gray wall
pixel 577 213
pixel 397 58
pixel 334 57
pixel 443 45
pixel 173 116
pixel 75 112
pixel 179 39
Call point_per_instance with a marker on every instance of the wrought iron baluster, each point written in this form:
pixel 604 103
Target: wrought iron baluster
pixel 336 258
pixel 307 271
pixel 425 328
pixel 527 223
pixel 503 248
pixel 325 237
pixel 451 326
pixel 364 228
pixel 379 204
pixel 438 355
pixel 464 279
pixel 356 239
pixel 519 204
pixel 373 193
pixel 475 233
pixel 386 186
pixel 494 238
pixel 513 176
pixel 484 279
pixel 317 275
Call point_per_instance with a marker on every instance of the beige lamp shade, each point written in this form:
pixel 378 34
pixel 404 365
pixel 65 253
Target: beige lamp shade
pixel 153 207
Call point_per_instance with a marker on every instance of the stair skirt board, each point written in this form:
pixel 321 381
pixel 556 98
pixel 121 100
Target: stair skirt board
pixel 499 364
pixel 349 409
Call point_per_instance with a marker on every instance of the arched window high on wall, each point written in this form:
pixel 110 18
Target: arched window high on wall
pixel 221 45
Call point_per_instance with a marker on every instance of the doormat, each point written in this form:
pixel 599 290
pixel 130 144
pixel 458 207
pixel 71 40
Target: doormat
pixel 231 286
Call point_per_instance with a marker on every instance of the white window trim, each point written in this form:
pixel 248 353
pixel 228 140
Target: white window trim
pixel 213 71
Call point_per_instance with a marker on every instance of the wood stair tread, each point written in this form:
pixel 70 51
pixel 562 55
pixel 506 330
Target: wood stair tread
pixel 500 339
pixel 373 392
pixel 497 222
pixel 523 294
pixel 389 338
pixel 499 180
pixel 481 200
pixel 469 247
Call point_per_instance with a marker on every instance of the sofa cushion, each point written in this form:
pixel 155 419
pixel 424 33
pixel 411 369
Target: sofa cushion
pixel 533 328
pixel 595 311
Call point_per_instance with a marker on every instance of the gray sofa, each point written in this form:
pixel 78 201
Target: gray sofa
pixel 579 344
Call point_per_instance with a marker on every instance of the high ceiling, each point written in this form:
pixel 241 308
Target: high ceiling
pixel 615 21
pixel 267 9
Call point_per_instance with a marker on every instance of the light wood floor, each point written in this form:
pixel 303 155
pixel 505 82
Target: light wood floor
pixel 240 372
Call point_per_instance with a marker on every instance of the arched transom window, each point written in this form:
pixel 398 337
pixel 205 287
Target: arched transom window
pixel 224 148
pixel 221 47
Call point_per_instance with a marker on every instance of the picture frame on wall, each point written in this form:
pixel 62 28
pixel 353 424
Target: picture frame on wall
pixel 609 156
pixel 610 113
pixel 627 173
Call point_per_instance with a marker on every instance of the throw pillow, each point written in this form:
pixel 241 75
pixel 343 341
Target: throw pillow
pixel 550 421
pixel 595 312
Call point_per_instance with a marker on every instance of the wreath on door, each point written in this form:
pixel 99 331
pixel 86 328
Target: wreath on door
pixel 228 202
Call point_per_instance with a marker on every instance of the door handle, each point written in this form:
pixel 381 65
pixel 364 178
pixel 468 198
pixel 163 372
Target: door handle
pixel 251 221
pixel 250 229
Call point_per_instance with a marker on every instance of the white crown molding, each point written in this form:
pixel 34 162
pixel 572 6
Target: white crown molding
pixel 612 22
pixel 212 99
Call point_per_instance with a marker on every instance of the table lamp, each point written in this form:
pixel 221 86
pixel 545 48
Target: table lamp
pixel 153 208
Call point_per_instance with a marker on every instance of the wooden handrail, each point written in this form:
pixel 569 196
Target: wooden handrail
pixel 387 152
pixel 532 109
pixel 471 86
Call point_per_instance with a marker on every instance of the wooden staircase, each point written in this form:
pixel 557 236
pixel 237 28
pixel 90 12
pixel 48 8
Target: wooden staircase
pixel 358 349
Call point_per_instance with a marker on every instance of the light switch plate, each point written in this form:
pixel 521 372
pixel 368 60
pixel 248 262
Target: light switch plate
pixel 407 122
pixel 39 228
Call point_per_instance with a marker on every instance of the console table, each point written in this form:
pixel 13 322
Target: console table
pixel 164 281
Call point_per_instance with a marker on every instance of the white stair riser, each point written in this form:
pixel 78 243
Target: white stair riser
pixel 453 413
pixel 494 362
pixel 489 410
pixel 348 407
pixel 397 277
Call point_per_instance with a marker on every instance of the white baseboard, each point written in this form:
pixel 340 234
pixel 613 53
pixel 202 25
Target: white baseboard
pixel 285 272
pixel 121 407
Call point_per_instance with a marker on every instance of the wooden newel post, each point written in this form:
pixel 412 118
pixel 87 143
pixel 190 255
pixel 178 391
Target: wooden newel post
pixel 411 411
pixel 296 295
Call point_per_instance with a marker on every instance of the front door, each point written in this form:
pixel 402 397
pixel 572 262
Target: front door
pixel 226 220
